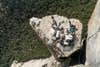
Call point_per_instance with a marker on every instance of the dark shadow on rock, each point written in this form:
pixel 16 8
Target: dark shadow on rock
pixel 79 56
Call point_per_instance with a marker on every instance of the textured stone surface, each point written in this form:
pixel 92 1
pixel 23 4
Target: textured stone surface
pixel 61 35
pixel 48 62
pixel 81 65
pixel 56 31
pixel 93 40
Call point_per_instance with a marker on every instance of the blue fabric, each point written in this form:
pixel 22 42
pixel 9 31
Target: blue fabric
pixel 72 29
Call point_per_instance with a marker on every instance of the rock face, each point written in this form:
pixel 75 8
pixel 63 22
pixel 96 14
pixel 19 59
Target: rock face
pixel 61 35
pixel 93 40
pixel 78 65
pixel 48 62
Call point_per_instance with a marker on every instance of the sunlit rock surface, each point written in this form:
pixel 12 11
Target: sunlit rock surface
pixel 61 35
pixel 78 65
pixel 93 40
pixel 48 62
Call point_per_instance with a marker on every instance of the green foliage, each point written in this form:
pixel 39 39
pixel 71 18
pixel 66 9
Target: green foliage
pixel 18 40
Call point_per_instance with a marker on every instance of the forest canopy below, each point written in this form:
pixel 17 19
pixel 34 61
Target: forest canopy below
pixel 17 39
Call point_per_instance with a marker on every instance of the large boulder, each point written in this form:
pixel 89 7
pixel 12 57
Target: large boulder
pixel 93 40
pixel 61 35
pixel 48 62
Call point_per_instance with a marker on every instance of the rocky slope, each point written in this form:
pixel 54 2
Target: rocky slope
pixel 93 40
pixel 61 35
